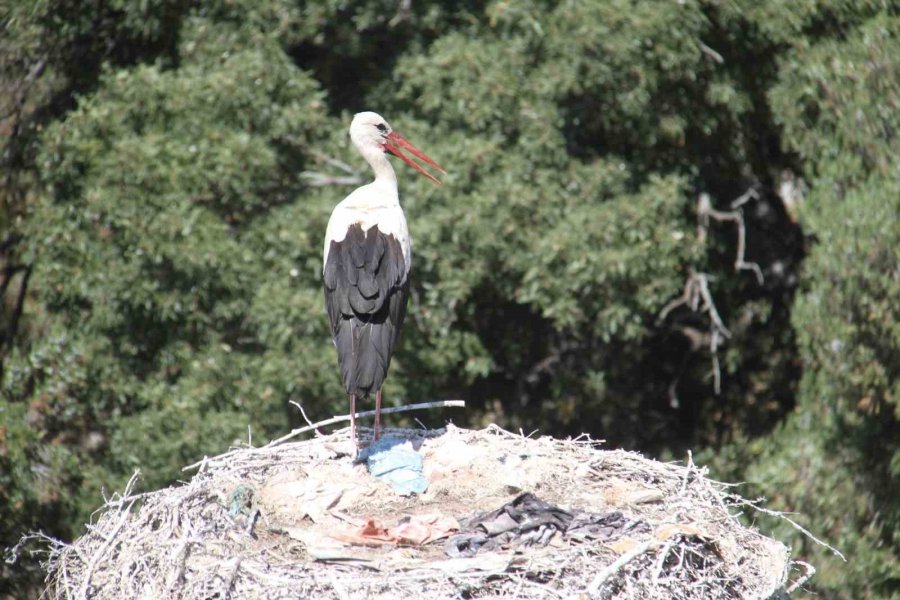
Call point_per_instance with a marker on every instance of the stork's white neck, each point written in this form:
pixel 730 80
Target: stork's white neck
pixel 381 166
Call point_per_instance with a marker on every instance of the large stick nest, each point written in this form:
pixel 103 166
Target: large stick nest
pixel 285 522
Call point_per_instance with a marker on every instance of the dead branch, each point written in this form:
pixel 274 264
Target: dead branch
pixel 542 367
pixel 705 212
pixel 302 412
pixel 334 162
pixel 696 294
pixel 99 555
pixel 711 53
pixel 332 421
pixel 7 274
pixel 182 554
pixel 8 336
pixel 368 413
pixel 755 505
pixel 623 560
pixel 696 290
pixel 792 191
pixel 404 13
pixel 316 179
pixel 698 298
pixel 21 94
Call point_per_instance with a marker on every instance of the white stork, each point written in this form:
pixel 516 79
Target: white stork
pixel 366 264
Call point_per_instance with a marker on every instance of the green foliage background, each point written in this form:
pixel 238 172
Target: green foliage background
pixel 163 210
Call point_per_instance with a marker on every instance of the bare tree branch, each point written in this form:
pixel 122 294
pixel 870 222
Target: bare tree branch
pixel 543 366
pixel 709 305
pixel 8 334
pixel 21 95
pixel 705 212
pixel 697 297
pixel 696 294
pixel 711 53
pixel 334 162
pixel 404 13
pixel 317 179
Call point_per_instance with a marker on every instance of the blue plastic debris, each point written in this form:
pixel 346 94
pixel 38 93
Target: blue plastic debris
pixel 394 461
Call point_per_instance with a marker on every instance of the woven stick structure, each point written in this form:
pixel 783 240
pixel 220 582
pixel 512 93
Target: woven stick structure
pixel 276 524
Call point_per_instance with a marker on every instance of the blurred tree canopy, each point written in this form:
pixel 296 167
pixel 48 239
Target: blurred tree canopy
pixel 168 169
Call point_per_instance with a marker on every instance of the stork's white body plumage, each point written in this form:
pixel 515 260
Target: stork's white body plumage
pixel 367 260
pixel 376 203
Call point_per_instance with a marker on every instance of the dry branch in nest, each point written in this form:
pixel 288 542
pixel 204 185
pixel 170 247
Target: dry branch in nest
pixel 503 516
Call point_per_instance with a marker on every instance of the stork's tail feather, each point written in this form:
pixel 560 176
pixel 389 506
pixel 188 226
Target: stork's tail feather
pixel 364 353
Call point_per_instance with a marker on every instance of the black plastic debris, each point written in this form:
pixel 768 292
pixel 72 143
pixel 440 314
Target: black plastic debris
pixel 528 520
pixel 603 527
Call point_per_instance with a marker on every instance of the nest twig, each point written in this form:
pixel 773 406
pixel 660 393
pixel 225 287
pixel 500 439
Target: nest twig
pixel 338 419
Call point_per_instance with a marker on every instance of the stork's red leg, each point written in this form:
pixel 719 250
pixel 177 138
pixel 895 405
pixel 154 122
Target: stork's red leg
pixel 353 420
pixel 377 415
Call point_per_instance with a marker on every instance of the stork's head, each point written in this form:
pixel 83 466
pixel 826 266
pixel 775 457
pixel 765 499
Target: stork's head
pixel 371 133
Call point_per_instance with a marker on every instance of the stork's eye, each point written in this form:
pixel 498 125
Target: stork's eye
pixel 382 127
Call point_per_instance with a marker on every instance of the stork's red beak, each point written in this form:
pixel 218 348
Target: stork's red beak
pixel 394 142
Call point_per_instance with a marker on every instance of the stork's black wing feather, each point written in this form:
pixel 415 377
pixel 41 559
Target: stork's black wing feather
pixel 366 292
